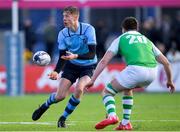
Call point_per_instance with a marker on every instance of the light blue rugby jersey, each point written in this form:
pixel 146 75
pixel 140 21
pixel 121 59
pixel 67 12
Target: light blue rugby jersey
pixel 77 42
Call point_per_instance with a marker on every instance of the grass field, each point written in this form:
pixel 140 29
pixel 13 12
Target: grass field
pixel 151 112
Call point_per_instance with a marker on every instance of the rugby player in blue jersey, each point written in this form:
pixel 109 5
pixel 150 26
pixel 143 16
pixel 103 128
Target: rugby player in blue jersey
pixel 77 60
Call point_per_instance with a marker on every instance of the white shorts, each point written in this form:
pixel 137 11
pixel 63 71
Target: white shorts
pixel 136 76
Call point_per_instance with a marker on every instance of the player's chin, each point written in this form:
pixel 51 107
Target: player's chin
pixel 65 25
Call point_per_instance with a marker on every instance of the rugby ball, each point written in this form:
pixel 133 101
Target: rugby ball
pixel 41 58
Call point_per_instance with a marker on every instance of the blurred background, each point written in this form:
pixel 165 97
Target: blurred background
pixel 39 22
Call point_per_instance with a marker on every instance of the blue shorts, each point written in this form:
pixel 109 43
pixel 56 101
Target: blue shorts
pixel 73 72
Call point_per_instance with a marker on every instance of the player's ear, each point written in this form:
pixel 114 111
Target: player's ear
pixel 76 17
pixel 123 30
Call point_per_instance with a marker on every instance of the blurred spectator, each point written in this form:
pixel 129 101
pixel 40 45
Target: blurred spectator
pixel 30 36
pixel 176 30
pixel 50 35
pixel 30 39
pixel 165 31
pixel 109 40
pixel 101 35
pixel 173 55
pixel 150 30
pixel 161 47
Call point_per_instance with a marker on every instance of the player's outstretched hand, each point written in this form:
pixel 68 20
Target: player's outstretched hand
pixel 53 75
pixel 170 85
pixel 69 56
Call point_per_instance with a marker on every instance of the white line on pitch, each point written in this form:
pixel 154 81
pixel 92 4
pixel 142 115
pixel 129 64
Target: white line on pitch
pixel 74 122
pixel 32 123
pixel 155 120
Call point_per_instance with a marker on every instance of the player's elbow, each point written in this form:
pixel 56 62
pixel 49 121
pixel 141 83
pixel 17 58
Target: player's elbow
pixel 166 63
pixel 163 60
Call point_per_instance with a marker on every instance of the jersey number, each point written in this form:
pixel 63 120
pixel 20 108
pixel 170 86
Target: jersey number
pixel 136 39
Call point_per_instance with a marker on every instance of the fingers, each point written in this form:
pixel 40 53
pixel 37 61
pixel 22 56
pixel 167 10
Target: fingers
pixel 53 76
pixel 89 85
pixel 65 57
pixel 87 88
pixel 68 53
pixel 69 56
pixel 172 87
pixel 171 90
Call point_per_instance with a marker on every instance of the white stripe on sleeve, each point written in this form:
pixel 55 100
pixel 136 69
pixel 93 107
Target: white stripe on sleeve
pixel 114 47
pixel 156 51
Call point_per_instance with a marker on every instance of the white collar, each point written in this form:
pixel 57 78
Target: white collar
pixel 133 32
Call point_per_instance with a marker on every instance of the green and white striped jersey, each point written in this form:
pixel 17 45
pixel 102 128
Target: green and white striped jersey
pixel 136 49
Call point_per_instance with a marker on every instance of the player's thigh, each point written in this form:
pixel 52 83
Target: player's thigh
pixel 117 86
pixel 85 74
pixel 70 72
pixel 82 82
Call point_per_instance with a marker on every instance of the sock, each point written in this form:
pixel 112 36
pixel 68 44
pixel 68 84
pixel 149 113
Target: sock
pixel 109 104
pixel 127 106
pixel 71 106
pixel 111 89
pixel 51 100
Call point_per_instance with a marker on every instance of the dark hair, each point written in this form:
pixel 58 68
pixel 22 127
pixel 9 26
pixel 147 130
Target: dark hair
pixel 130 23
pixel 72 10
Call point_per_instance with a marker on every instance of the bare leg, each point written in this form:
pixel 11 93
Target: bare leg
pixel 74 100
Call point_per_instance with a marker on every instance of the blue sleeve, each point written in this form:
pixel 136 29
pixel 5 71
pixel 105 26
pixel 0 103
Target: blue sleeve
pixel 91 35
pixel 61 43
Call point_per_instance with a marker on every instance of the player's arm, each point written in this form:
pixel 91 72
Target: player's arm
pixel 163 60
pixel 102 64
pixel 61 62
pixel 86 56
pixel 90 55
pixel 59 66
pixel 62 51
pixel 110 53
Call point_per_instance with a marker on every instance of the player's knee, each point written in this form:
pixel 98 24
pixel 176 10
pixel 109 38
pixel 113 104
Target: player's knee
pixel 105 92
pixel 60 97
pixel 109 89
pixel 79 90
pixel 128 92
pixel 78 93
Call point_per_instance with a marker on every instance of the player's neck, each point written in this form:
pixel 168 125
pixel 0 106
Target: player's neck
pixel 74 28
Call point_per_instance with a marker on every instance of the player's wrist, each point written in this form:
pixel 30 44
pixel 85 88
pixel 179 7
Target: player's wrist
pixel 93 80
